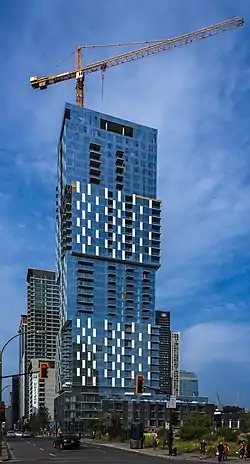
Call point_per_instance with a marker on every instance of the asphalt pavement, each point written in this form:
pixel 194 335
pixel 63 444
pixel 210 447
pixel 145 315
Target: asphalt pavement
pixel 35 450
pixel 41 450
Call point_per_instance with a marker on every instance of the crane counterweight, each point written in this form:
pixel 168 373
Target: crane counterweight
pixel 151 48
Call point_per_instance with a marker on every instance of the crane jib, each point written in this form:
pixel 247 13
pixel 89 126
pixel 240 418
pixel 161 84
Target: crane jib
pixel 151 48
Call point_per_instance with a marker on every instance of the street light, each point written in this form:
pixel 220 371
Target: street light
pixel 19 334
pixel 4 388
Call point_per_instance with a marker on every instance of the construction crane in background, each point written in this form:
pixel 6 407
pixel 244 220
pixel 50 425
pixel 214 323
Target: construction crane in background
pixel 150 48
pixel 220 405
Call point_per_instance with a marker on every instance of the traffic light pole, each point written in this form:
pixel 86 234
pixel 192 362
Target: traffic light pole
pixel 1 382
pixel 18 375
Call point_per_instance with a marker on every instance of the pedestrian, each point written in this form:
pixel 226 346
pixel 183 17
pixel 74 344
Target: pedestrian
pixel 226 451
pixel 242 450
pixel 220 451
pixel 203 445
pixel 170 441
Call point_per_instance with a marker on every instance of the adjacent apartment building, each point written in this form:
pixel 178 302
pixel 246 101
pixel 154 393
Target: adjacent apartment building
pixel 39 331
pixel 162 319
pixel 23 367
pixel 108 252
pixel 175 363
pixel 189 385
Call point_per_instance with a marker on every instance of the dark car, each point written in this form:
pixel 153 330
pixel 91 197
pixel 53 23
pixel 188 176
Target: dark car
pixel 67 441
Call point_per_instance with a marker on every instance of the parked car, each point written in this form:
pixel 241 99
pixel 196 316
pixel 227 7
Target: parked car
pixel 68 440
pixel 26 434
pixel 10 434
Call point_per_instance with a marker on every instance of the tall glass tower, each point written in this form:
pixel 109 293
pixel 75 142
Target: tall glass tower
pixel 108 252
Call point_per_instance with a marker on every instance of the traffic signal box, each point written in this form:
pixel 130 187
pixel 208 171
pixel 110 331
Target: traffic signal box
pixel 173 417
pixel 43 370
pixel 2 413
pixel 139 385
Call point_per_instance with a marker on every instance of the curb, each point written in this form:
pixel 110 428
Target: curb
pixel 162 456
pixel 122 448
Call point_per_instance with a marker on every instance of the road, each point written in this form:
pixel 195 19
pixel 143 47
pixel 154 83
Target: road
pixel 40 450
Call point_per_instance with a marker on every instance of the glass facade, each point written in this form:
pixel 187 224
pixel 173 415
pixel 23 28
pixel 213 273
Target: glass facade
pixel 189 385
pixel 108 252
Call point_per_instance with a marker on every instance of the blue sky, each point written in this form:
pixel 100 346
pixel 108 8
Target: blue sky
pixel 198 98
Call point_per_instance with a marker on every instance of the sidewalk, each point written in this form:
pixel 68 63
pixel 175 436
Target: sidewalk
pixel 159 452
pixel 5 453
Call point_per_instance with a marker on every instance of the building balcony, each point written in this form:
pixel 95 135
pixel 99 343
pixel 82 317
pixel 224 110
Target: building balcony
pixel 128 232
pixel 112 275
pixel 85 295
pixel 112 312
pixel 120 168
pixel 155 259
pixel 94 163
pixel 95 146
pixel 112 267
pixel 119 186
pixel 83 308
pixel 84 286
pixel 94 172
pixel 112 290
pixel 129 285
pixel 88 270
pixel 156 244
pixel 94 180
pixel 119 154
pixel 85 278
pixel 156 220
pixel 156 227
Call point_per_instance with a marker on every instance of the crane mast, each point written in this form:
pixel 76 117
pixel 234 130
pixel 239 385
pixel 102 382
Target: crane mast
pixel 152 48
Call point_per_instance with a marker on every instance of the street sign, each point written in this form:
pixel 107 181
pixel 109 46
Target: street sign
pixel 171 404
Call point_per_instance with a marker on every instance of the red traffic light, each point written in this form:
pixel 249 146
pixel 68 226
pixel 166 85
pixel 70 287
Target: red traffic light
pixel 44 368
pixel 139 386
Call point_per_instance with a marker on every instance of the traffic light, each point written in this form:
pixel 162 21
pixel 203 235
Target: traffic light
pixel 43 370
pixel 173 417
pixel 139 386
pixel 2 413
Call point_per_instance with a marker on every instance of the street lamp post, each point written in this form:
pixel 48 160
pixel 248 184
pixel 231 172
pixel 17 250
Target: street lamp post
pixel 1 374
pixel 6 386
pixel 1 381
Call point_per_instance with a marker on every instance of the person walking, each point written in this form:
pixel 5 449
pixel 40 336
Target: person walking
pixel 242 450
pixel 203 445
pixel 226 451
pixel 170 441
pixel 220 451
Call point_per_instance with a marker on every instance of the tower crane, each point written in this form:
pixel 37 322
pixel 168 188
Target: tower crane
pixel 149 48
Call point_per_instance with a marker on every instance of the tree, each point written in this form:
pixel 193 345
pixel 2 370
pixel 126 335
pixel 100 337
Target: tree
pixel 233 409
pixel 114 426
pixel 245 423
pixel 38 421
pixel 196 427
